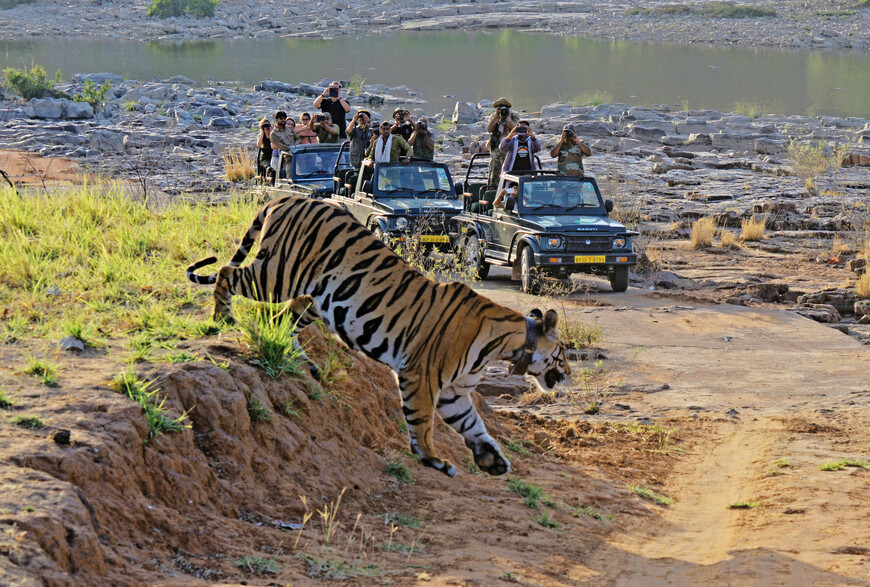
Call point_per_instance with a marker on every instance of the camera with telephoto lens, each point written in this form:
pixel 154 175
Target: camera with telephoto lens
pixel 569 133
pixel 319 118
pixel 503 111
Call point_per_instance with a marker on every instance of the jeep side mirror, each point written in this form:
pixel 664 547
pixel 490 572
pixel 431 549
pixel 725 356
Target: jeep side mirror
pixel 459 189
pixel 608 205
pixel 509 203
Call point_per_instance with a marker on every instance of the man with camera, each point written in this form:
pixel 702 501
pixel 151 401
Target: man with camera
pixel 389 148
pixel 282 138
pixel 422 141
pixel 569 151
pixel 326 131
pixel 520 147
pixel 332 102
pixel 404 126
pixel 360 133
pixel 500 123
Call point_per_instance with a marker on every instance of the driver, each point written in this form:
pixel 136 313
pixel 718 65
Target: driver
pixel 507 193
pixel 563 195
pixel 390 179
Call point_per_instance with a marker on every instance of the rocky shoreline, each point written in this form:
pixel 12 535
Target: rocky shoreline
pixel 826 24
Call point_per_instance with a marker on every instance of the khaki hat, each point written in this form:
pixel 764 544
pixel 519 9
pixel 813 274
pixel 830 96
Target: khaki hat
pixel 501 102
pixel 400 109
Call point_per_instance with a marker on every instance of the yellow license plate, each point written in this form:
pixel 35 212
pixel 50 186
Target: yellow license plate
pixel 434 238
pixel 589 259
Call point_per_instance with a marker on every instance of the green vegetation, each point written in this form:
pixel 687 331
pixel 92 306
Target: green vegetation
pixel 647 493
pixel 7 4
pixel 751 109
pixel 782 462
pixel 145 393
pixel 292 409
pixel 402 548
pixel 743 505
pixel 809 160
pixel 257 411
pixel 259 566
pixel 5 401
pixel 577 334
pixel 270 334
pixel 336 569
pixel 395 467
pixel 356 84
pixel 31 422
pixel 546 521
pixel 843 463
pixel 590 511
pixel 197 8
pixel 709 10
pixel 592 98
pixel 403 520
pixel 534 495
pixel 42 369
pixel 30 84
pixel 93 94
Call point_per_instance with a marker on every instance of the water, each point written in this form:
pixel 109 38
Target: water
pixel 530 69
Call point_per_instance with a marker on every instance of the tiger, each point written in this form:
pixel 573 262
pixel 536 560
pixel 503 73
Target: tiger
pixel 436 337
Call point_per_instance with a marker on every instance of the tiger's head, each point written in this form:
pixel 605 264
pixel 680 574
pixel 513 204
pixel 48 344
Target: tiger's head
pixel 549 365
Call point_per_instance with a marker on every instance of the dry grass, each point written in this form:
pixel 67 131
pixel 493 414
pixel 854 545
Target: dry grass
pixel 809 160
pixel 753 229
pixel 728 240
pixel 239 164
pixel 862 288
pixel 703 231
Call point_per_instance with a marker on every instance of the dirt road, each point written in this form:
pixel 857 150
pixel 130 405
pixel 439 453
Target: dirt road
pixel 787 395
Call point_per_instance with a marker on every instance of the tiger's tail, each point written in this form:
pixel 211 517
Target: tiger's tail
pixel 242 252
pixel 202 279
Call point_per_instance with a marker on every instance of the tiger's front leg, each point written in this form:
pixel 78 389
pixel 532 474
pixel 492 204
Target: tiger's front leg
pixel 302 313
pixel 457 409
pixel 420 416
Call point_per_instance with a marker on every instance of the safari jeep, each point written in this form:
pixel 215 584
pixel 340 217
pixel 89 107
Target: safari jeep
pixel 401 200
pixel 312 170
pixel 552 225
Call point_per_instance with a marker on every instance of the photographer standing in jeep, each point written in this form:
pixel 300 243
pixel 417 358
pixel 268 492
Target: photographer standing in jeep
pixel 323 127
pixel 360 133
pixel 422 141
pixel 332 103
pixel 501 122
pixel 404 126
pixel 519 148
pixel 570 150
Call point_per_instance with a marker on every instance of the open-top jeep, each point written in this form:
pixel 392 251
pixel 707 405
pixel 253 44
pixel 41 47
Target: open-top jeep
pixel 312 169
pixel 545 223
pixel 396 201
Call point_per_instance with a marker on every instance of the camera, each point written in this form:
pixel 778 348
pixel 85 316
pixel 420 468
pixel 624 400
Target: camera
pixel 319 118
pixel 503 111
pixel 333 92
pixel 422 126
pixel 522 130
pixel 569 133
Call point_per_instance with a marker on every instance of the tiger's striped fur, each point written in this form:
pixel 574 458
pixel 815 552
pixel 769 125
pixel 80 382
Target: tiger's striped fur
pixel 437 337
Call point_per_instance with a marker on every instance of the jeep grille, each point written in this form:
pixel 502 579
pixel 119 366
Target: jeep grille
pixel 578 243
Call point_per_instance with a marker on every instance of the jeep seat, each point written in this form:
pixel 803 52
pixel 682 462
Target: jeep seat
pixel 484 206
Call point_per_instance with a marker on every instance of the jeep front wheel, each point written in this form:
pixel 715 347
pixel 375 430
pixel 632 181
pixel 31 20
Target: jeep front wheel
pixel 531 281
pixel 619 278
pixel 473 256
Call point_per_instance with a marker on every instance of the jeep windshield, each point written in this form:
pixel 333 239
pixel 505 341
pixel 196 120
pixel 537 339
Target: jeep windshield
pixel 560 196
pixel 414 180
pixel 309 164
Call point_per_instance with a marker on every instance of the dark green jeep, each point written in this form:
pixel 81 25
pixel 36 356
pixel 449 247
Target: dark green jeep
pixel 312 168
pixel 544 224
pixel 396 201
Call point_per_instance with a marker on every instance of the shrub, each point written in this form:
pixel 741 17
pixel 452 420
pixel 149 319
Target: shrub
pixel 197 8
pixel 728 239
pixel 809 160
pixel 93 94
pixel 752 229
pixel 239 164
pixel 862 288
pixel 30 84
pixel 702 233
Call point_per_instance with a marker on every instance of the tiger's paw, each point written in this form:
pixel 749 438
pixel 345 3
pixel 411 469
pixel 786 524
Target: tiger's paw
pixel 225 318
pixel 489 458
pixel 315 371
pixel 444 466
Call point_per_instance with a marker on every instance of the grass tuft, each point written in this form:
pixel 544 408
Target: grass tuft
pixel 5 402
pixel 590 511
pixel 702 233
pixel 843 463
pixel 753 229
pixel 647 493
pixel 728 240
pixel 256 565
pixel 43 370
pixel 270 334
pixel 395 467
pixel 239 164
pixel 30 422
pixel 145 393
pixel 533 494
pixel 257 411
pixel 862 288
pixel 743 505
pixel 546 521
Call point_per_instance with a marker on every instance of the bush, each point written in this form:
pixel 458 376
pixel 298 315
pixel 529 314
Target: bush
pixel 30 84
pixel 702 233
pixel 93 94
pixel 197 8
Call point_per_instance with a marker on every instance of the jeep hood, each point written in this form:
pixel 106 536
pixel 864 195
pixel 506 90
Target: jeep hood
pixel 420 206
pixel 573 224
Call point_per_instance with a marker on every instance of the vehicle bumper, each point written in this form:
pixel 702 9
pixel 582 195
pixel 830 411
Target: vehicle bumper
pixel 440 242
pixel 585 261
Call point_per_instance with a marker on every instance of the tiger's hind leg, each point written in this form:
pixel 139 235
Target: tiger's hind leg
pixel 457 409
pixel 302 313
pixel 420 417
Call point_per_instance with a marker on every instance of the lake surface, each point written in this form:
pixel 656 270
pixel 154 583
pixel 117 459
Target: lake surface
pixel 530 69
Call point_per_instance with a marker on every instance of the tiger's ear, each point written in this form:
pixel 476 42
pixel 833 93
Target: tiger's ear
pixel 551 325
pixel 536 313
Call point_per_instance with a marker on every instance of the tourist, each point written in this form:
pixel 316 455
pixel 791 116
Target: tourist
pixel 569 151
pixel 264 152
pixel 507 194
pixel 360 133
pixel 324 128
pixel 389 148
pixel 500 123
pixel 422 141
pixel 520 147
pixel 403 126
pixel 305 134
pixel 283 137
pixel 331 102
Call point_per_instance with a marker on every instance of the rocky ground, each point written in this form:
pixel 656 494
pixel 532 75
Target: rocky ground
pixel 826 24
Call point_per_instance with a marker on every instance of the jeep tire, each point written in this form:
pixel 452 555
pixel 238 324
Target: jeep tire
pixel 619 278
pixel 473 256
pixel 529 277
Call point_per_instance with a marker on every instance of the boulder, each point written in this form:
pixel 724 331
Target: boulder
pixel 107 141
pixel 51 108
pixel 97 78
pixel 209 112
pixel 79 110
pixel 862 308
pixel 273 86
pixel 179 79
pixel 183 117
pixel 465 113
pixel 223 122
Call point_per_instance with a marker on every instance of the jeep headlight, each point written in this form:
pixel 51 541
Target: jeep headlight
pixel 619 243
pixel 553 242
pixel 401 223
